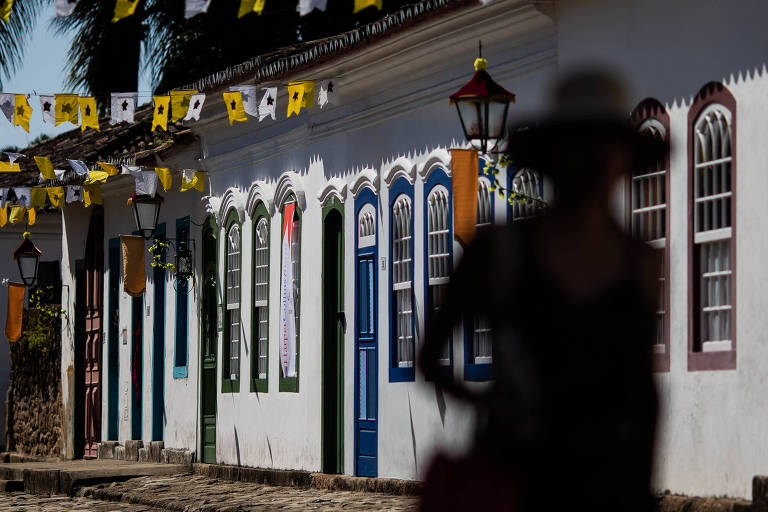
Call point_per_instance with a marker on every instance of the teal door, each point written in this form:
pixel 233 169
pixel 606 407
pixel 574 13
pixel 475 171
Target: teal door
pixel 208 345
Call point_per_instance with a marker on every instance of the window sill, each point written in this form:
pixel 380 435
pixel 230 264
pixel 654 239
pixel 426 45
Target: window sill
pixel 179 372
pixel 707 361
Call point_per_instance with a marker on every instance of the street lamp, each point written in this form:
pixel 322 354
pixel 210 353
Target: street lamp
pixel 27 256
pixel 482 105
pixel 146 210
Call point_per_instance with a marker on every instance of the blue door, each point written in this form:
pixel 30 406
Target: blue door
pixel 366 360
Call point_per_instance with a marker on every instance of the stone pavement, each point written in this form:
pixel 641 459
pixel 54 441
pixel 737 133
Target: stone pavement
pixel 20 502
pixel 192 493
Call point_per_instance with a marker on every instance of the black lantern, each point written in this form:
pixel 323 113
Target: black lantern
pixel 27 256
pixel 184 268
pixel 482 105
pixel 146 210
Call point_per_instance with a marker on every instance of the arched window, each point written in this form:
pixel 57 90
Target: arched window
pixel 401 276
pixel 484 202
pixel 260 318
pixel 528 183
pixel 439 250
pixel 649 220
pixel 232 243
pixel 366 227
pixel 712 179
pixel 292 383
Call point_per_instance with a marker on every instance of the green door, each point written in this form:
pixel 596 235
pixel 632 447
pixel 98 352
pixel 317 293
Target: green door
pixel 208 345
pixel 334 324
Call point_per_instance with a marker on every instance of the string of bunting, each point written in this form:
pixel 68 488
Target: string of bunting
pixel 126 8
pixel 25 200
pixel 241 101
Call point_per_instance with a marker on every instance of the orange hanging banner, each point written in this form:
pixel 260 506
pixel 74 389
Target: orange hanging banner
pixel 464 165
pixel 134 276
pixel 15 311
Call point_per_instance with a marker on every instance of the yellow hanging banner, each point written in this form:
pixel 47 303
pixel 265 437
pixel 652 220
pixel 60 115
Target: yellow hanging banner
pixel 362 4
pixel 464 169
pixel 160 118
pixel 96 177
pixel 180 103
pixel 5 12
pixel 7 167
pixel 21 112
pixel 31 216
pixel 92 195
pixel 196 181
pixel 3 216
pixel 56 196
pixel 37 197
pixel 67 107
pixel 249 6
pixel 134 274
pixel 235 110
pixel 88 113
pixel 109 168
pixel 17 213
pixel 300 95
pixel 46 167
pixel 164 175
pixel 124 8
pixel 15 311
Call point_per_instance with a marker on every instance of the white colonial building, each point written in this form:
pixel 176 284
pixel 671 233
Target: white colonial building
pixel 369 178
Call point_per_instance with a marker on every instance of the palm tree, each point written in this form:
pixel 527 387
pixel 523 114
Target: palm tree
pixel 108 57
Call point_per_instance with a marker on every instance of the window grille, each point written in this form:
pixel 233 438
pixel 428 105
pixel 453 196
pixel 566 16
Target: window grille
pixel 366 229
pixel 527 182
pixel 233 299
pixel 481 332
pixel 261 293
pixel 484 211
pixel 438 253
pixel 712 225
pixel 296 262
pixel 402 281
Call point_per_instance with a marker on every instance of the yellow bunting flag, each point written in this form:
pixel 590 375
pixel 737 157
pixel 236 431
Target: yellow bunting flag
pixel 21 112
pixel 7 167
pixel 180 103
pixel 193 179
pixel 56 196
pixel 362 4
pixel 160 119
pixel 67 106
pixel 300 95
pixel 234 102
pixel 88 113
pixel 111 169
pixel 46 167
pixel 3 216
pixel 134 276
pixel 464 165
pixel 124 8
pixel 17 213
pixel 249 6
pixel 31 216
pixel 37 197
pixel 15 311
pixel 96 177
pixel 165 177
pixel 5 13
pixel 92 195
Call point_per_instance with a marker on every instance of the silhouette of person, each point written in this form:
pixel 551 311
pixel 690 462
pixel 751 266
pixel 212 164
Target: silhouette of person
pixel 568 419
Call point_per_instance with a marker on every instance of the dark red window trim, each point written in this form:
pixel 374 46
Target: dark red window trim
pixel 647 109
pixel 713 92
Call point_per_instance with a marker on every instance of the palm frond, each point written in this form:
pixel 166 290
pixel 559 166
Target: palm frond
pixel 15 34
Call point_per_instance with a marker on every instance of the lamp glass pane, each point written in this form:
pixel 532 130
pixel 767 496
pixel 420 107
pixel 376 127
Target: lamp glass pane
pixel 28 268
pixel 497 118
pixel 471 118
pixel 146 216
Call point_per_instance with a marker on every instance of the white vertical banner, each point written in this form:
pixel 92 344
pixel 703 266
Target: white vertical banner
pixel 287 304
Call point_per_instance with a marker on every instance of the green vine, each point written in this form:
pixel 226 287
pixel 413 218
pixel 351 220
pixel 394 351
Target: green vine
pixel 41 319
pixel 157 250
pixel 491 170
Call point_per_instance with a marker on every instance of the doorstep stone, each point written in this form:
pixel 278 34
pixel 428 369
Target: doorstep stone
pixel 143 454
pixel 155 451
pixel 119 452
pixel 132 447
pixel 106 450
pixel 176 456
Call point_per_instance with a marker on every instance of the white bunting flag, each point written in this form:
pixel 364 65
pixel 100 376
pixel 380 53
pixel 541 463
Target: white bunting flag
pixel 305 6
pixel 146 181
pixel 3 196
pixel 287 306
pixel 48 108
pixel 12 157
pixel 250 101
pixel 74 194
pixel 23 197
pixel 195 107
pixel 59 173
pixel 188 175
pixel 7 101
pixel 195 7
pixel 65 7
pixel 79 167
pixel 268 103
pixel 123 107
pixel 326 93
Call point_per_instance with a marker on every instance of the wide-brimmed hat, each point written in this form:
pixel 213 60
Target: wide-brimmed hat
pixel 588 116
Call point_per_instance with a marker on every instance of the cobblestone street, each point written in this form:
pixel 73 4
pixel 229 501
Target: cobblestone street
pixel 190 493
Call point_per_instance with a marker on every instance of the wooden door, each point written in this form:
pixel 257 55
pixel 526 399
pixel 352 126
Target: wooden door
pixel 333 339
pixel 137 364
pixel 113 350
pixel 94 268
pixel 208 344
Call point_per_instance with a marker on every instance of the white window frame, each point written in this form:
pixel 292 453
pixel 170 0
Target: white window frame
pixel 261 293
pixel 402 279
pixel 439 243
pixel 366 226
pixel 234 253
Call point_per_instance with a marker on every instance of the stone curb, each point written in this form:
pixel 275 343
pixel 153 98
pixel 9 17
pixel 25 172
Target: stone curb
pixel 675 503
pixel 298 478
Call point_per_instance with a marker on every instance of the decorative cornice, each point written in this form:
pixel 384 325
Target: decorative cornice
pixel 366 178
pixel 439 158
pixel 232 198
pixel 334 187
pixel 290 183
pixel 208 205
pixel 400 167
pixel 260 192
